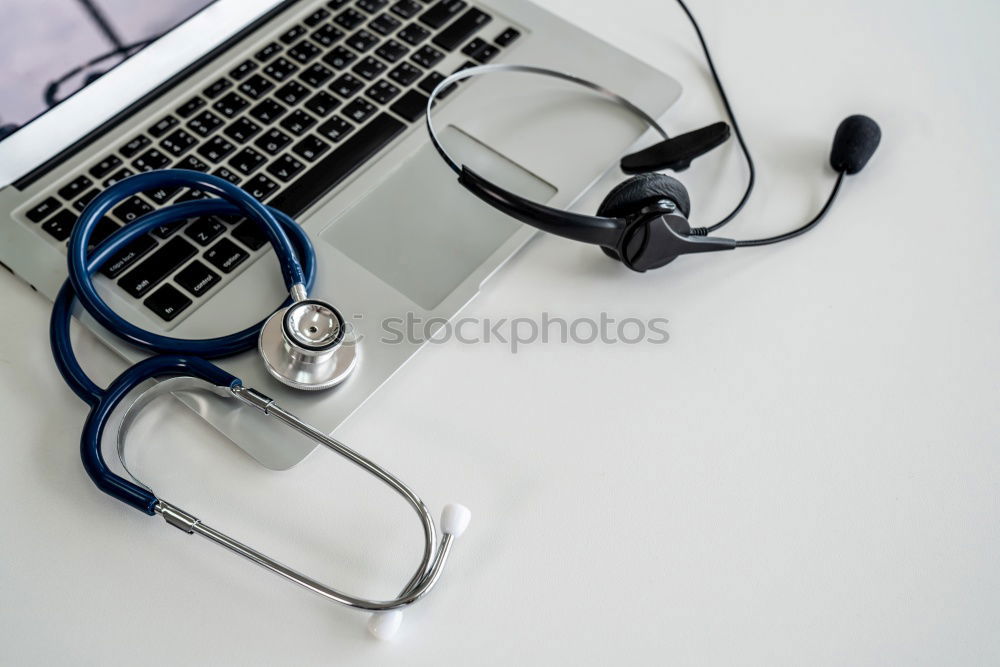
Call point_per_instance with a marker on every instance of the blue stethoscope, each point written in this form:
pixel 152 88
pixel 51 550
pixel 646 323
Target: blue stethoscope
pixel 302 343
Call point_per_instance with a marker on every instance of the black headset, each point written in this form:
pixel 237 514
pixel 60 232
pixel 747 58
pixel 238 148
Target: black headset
pixel 643 221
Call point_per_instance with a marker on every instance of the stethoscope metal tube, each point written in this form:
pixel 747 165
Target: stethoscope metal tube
pixel 431 563
pixel 184 367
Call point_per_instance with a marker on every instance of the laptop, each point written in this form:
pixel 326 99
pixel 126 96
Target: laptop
pixel 315 108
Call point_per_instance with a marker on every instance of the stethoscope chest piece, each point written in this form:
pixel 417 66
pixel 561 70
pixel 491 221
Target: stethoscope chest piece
pixel 307 346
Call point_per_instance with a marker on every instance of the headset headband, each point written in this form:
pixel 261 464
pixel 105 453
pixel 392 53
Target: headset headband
pixel 578 227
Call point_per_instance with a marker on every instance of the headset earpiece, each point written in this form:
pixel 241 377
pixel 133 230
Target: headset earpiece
pixel 634 194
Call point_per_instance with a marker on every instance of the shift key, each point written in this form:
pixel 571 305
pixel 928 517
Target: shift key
pixel 463 28
pixel 157 266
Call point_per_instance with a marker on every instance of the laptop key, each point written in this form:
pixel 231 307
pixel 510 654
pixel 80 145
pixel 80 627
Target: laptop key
pixel 268 52
pixel 316 17
pixel 231 104
pixel 205 123
pixel 87 197
pixel 316 75
pixel 161 195
pixel 464 27
pixel 410 106
pixel 298 122
pixel 293 34
pixel 385 24
pixel 285 168
pixel 255 87
pixel 273 141
pixel 304 51
pixel 473 47
pixel 228 174
pixel 382 92
pixel 359 110
pixel 188 108
pixel 292 93
pixel 338 164
pixel 192 163
pixel 243 69
pixel 204 230
pixel 167 302
pixel 431 81
pixel 42 209
pixel 404 74
pixel 427 56
pixel 135 145
pixel 217 88
pixel 346 86
pixel 327 34
pixel 413 34
pixel 267 111
pixel 310 148
pixel 128 256
pixel 162 126
pixel 340 58
pixel 75 187
pixel 151 160
pixel 368 68
pixel 361 41
pixel 337 4
pixel 105 166
pixel 260 187
pixel 247 161
pixel 215 149
pixel 116 177
pixel 487 53
pixel 178 142
pixel 131 209
pixel 156 267
pixel 372 6
pixel 196 278
pixel 405 8
pixel 60 225
pixel 225 255
pixel 242 130
pixel 391 51
pixel 442 12
pixel 335 129
pixel 281 69
pixel 322 103
pixel 507 37
pixel 349 19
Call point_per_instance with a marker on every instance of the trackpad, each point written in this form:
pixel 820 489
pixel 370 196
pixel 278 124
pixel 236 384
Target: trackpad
pixel 421 232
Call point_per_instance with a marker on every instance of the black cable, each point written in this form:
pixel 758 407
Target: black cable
pixel 102 23
pixel 804 228
pixel 732 120
pixel 50 94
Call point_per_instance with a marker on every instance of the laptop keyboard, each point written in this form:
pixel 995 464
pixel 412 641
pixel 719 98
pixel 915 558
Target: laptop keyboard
pixel 287 124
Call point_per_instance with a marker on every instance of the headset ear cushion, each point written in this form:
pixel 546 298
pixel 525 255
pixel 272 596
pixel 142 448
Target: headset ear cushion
pixel 639 191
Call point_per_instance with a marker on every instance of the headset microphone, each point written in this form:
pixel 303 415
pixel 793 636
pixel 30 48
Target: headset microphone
pixel 643 222
pixel 855 142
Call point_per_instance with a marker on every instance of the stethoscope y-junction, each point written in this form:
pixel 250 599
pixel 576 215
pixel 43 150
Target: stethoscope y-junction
pixel 303 344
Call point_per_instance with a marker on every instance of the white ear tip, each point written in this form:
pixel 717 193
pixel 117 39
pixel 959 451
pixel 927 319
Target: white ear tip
pixel 455 519
pixel 385 624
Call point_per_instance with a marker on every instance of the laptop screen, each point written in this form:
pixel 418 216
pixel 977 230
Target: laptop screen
pixel 53 48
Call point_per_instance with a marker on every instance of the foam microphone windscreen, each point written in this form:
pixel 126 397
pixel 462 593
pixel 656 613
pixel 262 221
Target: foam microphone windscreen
pixel 854 143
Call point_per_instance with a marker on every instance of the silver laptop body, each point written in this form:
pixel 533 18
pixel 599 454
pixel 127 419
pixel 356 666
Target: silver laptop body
pixel 395 236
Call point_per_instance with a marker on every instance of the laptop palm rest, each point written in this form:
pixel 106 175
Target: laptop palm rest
pixel 421 232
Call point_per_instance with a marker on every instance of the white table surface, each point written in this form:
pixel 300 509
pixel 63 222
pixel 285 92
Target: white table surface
pixel 808 472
